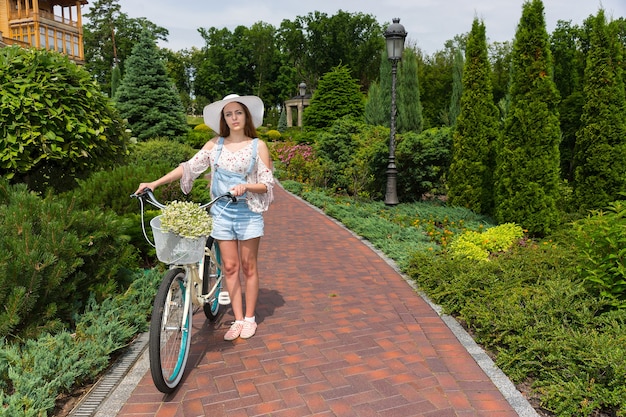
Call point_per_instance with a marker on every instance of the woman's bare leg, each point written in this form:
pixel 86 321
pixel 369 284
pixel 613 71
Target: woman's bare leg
pixel 229 251
pixel 248 251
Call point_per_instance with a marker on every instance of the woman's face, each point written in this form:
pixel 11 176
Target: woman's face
pixel 234 115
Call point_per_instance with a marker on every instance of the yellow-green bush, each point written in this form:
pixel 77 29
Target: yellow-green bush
pixel 479 246
pixel 202 126
pixel 273 135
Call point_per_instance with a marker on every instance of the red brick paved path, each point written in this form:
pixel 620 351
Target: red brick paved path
pixel 340 334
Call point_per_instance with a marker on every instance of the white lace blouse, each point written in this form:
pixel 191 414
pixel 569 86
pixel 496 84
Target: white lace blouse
pixel 237 161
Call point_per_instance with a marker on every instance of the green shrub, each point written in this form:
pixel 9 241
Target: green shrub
pixel 423 160
pixel 542 326
pixel 33 374
pixel 160 151
pixel 342 161
pixel 54 258
pixel 197 138
pixel 112 189
pixel 479 246
pixel 55 123
pixel 602 240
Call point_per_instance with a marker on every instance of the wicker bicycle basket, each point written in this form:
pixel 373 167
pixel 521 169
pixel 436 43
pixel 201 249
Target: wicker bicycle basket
pixel 174 249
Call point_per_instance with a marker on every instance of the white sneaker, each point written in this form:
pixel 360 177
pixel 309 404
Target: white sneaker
pixel 249 329
pixel 234 331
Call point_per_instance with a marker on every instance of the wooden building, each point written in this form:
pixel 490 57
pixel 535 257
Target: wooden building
pixel 48 24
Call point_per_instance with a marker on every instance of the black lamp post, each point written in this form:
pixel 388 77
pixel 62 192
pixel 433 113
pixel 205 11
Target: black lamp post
pixel 394 35
pixel 302 87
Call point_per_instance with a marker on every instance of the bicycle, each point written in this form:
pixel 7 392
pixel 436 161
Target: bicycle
pixel 193 281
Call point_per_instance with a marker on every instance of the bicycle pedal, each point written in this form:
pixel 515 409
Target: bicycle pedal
pixel 223 298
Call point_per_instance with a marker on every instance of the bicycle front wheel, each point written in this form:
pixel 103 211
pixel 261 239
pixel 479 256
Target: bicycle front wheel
pixel 211 278
pixel 170 331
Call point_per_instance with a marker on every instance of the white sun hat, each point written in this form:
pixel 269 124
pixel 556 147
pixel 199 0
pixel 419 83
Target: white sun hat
pixel 213 112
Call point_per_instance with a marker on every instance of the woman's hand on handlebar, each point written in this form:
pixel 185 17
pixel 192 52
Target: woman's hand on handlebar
pixel 239 190
pixel 143 186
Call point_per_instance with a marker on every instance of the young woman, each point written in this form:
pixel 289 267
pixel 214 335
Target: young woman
pixel 239 163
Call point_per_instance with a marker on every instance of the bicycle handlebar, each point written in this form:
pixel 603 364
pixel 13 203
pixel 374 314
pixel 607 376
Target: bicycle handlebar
pixel 147 195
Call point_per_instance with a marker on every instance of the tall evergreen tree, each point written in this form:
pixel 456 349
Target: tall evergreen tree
pixel 147 97
pixel 600 155
pixel 378 104
pixel 470 175
pixel 109 36
pixel 409 104
pixel 457 88
pixel 527 173
pixel 569 67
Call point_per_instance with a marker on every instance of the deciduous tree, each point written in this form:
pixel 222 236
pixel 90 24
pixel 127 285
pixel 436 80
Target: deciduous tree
pixel 55 123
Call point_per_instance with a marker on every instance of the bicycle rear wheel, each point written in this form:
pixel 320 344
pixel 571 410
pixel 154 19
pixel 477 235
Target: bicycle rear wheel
pixel 210 278
pixel 170 331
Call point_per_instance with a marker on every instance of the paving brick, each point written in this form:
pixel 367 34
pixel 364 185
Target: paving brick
pixel 340 334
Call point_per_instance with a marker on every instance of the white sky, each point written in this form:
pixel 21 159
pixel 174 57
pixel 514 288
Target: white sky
pixel 429 23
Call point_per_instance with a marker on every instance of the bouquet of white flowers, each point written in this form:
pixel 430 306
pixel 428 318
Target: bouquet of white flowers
pixel 186 219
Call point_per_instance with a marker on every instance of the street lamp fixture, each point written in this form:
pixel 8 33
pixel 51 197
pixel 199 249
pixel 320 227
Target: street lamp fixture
pixel 302 87
pixel 395 36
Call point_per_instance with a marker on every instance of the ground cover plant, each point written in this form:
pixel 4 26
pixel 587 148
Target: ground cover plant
pixel 34 375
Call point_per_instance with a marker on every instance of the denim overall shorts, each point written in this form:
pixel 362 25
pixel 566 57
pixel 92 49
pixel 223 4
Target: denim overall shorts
pixel 233 221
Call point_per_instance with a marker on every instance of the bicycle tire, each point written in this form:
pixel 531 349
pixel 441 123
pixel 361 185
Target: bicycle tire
pixel 209 278
pixel 169 339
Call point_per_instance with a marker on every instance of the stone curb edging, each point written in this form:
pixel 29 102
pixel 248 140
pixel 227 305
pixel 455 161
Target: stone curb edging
pixel 115 386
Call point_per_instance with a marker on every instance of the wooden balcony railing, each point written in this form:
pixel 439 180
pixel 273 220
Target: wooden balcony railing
pixel 31 14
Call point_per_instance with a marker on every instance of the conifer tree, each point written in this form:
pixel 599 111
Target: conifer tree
pixel 470 175
pixel 378 104
pixel 337 95
pixel 147 97
pixel 282 120
pixel 116 76
pixel 527 173
pixel 409 105
pixel 600 152
pixel 457 88
pixel 375 109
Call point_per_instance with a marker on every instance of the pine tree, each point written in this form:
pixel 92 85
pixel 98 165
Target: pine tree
pixel 146 96
pixel 337 95
pixel 600 152
pixel 409 105
pixel 527 173
pixel 470 175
